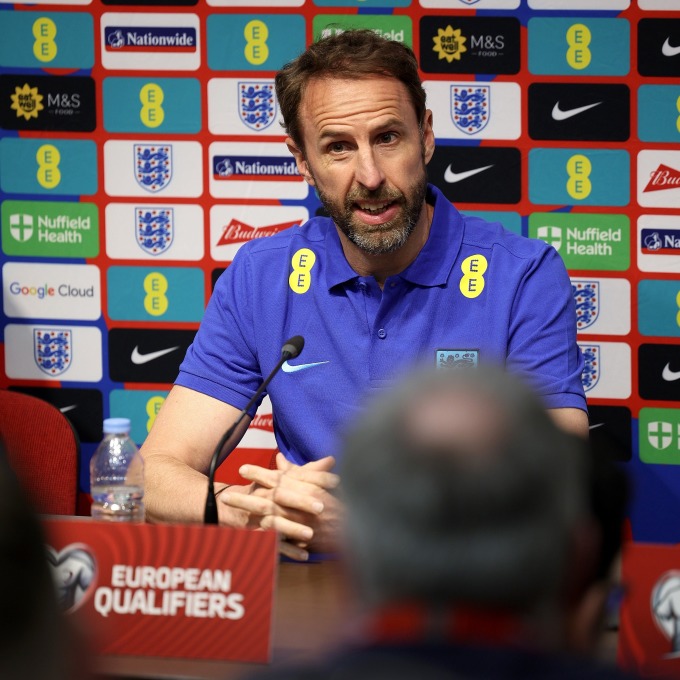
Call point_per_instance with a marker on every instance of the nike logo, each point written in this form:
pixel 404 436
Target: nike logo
pixel 668 50
pixel 559 114
pixel 287 368
pixel 594 427
pixel 453 177
pixel 668 375
pixel 66 409
pixel 138 358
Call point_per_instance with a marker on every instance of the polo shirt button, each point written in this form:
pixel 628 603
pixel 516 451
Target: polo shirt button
pixel 382 334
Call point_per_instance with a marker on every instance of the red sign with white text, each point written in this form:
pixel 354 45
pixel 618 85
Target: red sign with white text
pixel 180 591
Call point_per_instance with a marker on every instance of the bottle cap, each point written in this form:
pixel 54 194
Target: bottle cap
pixel 116 426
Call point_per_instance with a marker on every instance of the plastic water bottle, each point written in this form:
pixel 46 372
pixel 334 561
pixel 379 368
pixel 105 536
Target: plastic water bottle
pixel 117 475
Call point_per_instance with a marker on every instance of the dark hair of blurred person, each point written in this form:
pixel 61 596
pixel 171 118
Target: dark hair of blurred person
pixel 36 642
pixel 472 537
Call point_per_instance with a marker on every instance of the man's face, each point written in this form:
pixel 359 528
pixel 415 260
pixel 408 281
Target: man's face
pixel 366 155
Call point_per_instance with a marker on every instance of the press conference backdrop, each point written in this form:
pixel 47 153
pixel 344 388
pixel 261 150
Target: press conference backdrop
pixel 141 147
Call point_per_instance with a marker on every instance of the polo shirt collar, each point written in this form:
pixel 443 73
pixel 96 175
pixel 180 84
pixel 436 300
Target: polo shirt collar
pixel 434 262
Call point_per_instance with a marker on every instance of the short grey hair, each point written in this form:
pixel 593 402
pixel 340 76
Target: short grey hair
pixel 460 488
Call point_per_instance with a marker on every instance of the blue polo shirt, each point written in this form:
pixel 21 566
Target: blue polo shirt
pixel 476 293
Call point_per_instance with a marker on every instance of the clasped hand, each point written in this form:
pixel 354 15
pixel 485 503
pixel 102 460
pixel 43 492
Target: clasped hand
pixel 295 500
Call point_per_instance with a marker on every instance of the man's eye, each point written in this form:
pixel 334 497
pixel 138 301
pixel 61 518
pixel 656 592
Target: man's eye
pixel 336 147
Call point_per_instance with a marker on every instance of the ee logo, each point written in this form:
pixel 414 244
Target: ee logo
pixel 48 174
pixel 151 113
pixel 44 32
pixel 472 281
pixel 156 300
pixel 256 50
pixel 153 406
pixel 300 278
pixel 578 39
pixel 579 168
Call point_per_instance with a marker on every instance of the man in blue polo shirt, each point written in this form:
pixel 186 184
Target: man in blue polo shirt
pixel 393 279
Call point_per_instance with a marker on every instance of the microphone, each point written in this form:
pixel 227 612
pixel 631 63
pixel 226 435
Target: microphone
pixel 290 350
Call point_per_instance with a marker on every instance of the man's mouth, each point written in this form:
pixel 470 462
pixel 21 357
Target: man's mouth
pixel 374 208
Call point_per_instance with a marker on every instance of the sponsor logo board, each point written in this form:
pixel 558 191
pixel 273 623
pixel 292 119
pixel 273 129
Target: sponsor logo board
pixel 607 370
pixel 582 46
pixel 602 305
pixel 658 113
pixel 659 372
pixel 239 106
pixel 471 110
pixel 163 231
pixel 73 352
pixel 150 42
pixel 253 42
pixel 659 436
pixel 155 293
pixel 463 44
pixel 264 170
pixel 233 225
pixel 47 103
pixel 585 241
pixel 659 307
pixel 611 431
pixel 658 178
pixel 50 229
pixel 58 167
pixel 658 243
pixel 658 52
pixel 164 169
pixel 392 27
pixel 162 105
pixel 51 291
pixel 579 177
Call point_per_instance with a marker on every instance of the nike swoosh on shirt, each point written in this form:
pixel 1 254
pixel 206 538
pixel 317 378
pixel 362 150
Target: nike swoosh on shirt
pixel 453 177
pixel 138 358
pixel 66 409
pixel 668 375
pixel 559 114
pixel 287 368
pixel 668 50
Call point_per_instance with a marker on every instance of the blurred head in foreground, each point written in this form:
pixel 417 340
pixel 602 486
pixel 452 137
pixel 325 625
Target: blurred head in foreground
pixel 36 642
pixel 461 492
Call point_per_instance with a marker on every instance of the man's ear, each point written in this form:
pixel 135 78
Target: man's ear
pixel 302 166
pixel 428 137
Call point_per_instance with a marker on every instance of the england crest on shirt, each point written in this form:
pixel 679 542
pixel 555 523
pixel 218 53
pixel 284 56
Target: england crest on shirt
pixel 257 104
pixel 52 349
pixel 591 370
pixel 470 107
pixel 456 358
pixel 587 299
pixel 153 166
pixel 154 229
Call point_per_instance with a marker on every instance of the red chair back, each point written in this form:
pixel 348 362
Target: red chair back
pixel 43 450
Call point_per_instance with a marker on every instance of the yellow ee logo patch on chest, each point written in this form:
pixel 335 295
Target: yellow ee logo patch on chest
pixel 300 278
pixel 472 281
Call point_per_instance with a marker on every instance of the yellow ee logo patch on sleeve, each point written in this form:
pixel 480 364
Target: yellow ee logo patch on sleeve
pixel 300 278
pixel 472 281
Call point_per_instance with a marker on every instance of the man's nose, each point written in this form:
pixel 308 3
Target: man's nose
pixel 368 171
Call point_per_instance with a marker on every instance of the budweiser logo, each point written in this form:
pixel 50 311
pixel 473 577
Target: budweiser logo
pixel 662 178
pixel 240 232
pixel 263 422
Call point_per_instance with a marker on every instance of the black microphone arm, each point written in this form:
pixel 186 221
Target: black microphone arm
pixel 290 350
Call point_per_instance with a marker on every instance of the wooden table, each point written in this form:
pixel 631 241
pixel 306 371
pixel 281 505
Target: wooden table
pixel 311 611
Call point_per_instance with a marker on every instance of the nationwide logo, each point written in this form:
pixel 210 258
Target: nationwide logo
pixel 660 241
pixel 587 299
pixel 154 229
pixel 150 38
pixel 254 168
pixel 470 107
pixel 449 44
pixel 257 104
pixel 664 177
pixel 153 166
pixel 27 102
pixel 52 350
pixel 240 232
